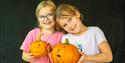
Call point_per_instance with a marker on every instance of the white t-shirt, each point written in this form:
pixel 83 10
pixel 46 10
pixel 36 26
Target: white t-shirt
pixel 88 41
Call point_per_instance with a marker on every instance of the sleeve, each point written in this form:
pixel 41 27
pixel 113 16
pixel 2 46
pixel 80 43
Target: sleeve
pixel 100 37
pixel 64 37
pixel 27 41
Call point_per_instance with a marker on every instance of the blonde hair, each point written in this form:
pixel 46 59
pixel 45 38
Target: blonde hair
pixel 45 3
pixel 66 10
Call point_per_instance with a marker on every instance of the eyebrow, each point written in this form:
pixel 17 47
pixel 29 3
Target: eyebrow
pixel 47 14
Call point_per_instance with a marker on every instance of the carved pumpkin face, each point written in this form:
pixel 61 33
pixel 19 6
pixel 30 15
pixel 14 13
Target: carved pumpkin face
pixel 65 53
pixel 38 48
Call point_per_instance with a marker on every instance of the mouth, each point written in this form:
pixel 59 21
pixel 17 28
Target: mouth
pixel 47 22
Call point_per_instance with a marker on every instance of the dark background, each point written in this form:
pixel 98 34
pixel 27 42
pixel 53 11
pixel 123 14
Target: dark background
pixel 17 17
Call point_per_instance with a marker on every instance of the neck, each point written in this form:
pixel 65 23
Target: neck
pixel 47 31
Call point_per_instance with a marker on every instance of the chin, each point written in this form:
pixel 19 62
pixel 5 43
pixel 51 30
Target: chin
pixel 75 32
pixel 49 27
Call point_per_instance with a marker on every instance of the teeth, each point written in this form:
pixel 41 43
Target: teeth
pixel 47 22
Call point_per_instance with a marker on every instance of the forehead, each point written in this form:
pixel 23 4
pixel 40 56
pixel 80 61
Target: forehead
pixel 63 19
pixel 45 10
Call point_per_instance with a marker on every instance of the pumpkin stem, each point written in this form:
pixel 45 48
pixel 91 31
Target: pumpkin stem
pixel 39 37
pixel 66 42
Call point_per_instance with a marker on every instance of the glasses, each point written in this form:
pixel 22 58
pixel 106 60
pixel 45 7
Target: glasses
pixel 47 17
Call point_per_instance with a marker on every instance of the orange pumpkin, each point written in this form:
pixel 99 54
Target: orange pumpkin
pixel 65 53
pixel 38 48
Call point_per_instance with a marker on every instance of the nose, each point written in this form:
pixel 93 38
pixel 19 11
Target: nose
pixel 69 25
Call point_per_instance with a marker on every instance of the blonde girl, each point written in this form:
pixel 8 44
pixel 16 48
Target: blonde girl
pixel 45 13
pixel 90 40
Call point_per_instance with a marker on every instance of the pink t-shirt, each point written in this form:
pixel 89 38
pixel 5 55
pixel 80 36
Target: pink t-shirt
pixel 33 35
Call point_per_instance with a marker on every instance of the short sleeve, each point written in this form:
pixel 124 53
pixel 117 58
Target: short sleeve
pixel 31 36
pixel 26 43
pixel 63 39
pixel 99 36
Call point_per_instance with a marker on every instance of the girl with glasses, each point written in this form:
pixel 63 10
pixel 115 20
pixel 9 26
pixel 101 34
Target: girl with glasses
pixel 45 13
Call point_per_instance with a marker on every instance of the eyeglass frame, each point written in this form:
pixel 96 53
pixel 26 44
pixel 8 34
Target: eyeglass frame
pixel 48 16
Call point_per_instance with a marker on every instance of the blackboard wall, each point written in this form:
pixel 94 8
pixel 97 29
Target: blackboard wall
pixel 17 17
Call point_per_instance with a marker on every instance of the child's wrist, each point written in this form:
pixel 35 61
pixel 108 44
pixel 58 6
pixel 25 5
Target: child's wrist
pixel 83 57
pixel 87 58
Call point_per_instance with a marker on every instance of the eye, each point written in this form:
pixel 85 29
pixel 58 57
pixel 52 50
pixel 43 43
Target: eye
pixel 69 20
pixel 64 25
pixel 41 16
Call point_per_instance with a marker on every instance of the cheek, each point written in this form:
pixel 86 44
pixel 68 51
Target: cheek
pixel 39 19
pixel 75 21
pixel 40 23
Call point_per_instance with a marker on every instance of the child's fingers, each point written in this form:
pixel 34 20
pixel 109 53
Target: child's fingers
pixel 81 60
pixel 32 58
pixel 81 53
pixel 49 48
pixel 50 57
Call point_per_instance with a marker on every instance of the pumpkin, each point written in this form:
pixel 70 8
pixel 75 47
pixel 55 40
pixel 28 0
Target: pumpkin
pixel 38 48
pixel 65 53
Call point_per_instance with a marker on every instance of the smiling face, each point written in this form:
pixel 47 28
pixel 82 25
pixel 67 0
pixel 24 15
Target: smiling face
pixel 71 24
pixel 45 15
pixel 69 18
pixel 46 18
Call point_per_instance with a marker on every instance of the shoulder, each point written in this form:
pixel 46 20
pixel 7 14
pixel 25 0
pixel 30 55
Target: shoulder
pixel 65 36
pixel 34 30
pixel 57 32
pixel 94 28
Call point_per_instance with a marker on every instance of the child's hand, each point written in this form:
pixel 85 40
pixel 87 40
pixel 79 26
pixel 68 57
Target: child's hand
pixel 32 58
pixel 50 57
pixel 49 48
pixel 81 60
pixel 28 57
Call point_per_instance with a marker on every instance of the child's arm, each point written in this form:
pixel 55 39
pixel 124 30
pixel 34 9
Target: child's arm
pixel 50 57
pixel 26 56
pixel 81 60
pixel 105 54
pixel 49 48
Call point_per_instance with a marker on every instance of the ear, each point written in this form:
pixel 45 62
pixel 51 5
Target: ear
pixel 77 13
